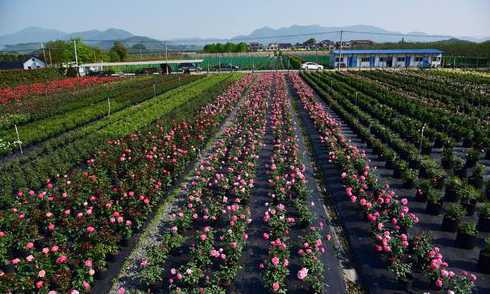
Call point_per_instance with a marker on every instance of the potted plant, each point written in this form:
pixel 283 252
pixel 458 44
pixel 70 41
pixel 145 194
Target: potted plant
pixel 452 187
pixel 484 218
pixel 422 188
pixel 447 160
pixel 487 189
pixel 458 167
pixel 484 258
pixel 469 197
pixel 399 167
pixel 454 214
pixel 420 246
pixel 472 157
pixel 467 236
pixel 409 176
pixel 476 178
pixel 434 202
pixel 402 271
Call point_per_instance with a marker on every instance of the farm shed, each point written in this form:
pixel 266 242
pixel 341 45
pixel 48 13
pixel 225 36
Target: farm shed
pixel 34 63
pixel 30 63
pixel 396 58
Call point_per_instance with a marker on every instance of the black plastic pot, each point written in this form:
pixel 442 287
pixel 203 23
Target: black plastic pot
pixel 484 224
pixel 124 242
pixel 397 173
pixel 467 142
pixel 409 184
pixel 446 164
pixel 414 164
pixel 469 206
pixel 487 154
pixel 434 208
pixel 451 194
pixel 466 241
pixel 101 274
pixel 110 258
pixel 484 263
pixel 449 224
pixel 420 196
pixel 8 268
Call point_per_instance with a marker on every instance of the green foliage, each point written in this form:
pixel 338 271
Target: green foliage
pixel 118 51
pixel 64 51
pixel 468 228
pixel 226 47
pixel 12 78
pixel 455 211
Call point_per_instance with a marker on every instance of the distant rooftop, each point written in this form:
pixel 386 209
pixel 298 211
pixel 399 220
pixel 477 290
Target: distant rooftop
pixel 390 51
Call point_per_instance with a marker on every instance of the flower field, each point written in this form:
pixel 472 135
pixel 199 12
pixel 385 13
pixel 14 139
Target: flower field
pixel 325 182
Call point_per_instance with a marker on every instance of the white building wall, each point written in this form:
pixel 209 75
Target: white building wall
pixel 34 63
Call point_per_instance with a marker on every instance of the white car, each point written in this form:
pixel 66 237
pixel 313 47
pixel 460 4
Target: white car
pixel 311 66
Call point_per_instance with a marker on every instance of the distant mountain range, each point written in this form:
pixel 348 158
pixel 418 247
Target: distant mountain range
pixel 31 37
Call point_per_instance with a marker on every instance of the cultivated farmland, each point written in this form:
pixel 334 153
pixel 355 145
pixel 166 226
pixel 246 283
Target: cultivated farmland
pixel 270 182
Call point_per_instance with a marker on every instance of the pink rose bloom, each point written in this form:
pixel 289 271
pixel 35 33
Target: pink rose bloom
pixel 302 273
pixel 62 259
pixel 88 263
pixel 203 237
pixel 54 248
pixel 15 261
pixel 90 229
pixel 39 284
pixel 30 258
pixel 41 274
pixel 275 260
pixel 439 283
pixel 51 227
pixel 121 290
pixel 45 250
pixel 276 286
pixel 29 245
pixel 86 285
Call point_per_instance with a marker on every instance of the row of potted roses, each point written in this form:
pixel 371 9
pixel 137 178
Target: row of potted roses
pixel 289 193
pixel 217 204
pixel 9 94
pixel 58 155
pixel 60 237
pixel 458 127
pixel 396 158
pixel 390 217
pixel 448 95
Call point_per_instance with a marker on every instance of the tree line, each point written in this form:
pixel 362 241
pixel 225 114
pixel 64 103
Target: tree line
pixel 226 47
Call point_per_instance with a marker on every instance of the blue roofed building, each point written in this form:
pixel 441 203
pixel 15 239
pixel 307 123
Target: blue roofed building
pixel 386 58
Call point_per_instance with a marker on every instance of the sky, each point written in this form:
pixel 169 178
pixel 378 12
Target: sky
pixel 167 19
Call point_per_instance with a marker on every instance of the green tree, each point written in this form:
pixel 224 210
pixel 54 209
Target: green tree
pixel 310 42
pixel 119 49
pixel 138 46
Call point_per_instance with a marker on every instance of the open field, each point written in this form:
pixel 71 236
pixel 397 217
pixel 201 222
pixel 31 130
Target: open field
pixel 266 182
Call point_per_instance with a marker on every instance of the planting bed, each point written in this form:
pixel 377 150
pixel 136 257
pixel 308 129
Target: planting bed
pixel 293 182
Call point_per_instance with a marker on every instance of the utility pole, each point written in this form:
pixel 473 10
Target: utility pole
pixel 50 60
pixel 340 59
pixel 44 53
pixel 76 56
pixel 166 57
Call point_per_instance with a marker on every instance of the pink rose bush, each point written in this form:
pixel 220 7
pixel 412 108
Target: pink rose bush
pixel 17 93
pixel 389 216
pixel 218 228
pixel 288 192
pixel 60 238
